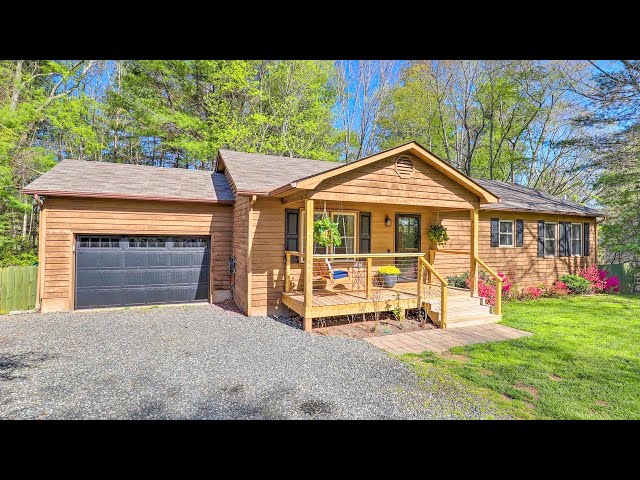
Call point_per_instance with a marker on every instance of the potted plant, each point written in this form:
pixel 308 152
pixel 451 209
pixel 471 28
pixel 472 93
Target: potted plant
pixel 326 233
pixel 438 235
pixel 389 275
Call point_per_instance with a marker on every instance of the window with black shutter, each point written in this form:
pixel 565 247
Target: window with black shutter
pixel 495 232
pixel 292 235
pixel 541 238
pixel 365 232
pixel 585 243
pixel 519 233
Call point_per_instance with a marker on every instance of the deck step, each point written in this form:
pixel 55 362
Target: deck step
pixel 473 320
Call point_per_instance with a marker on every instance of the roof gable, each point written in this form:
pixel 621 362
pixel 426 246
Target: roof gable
pixel 313 180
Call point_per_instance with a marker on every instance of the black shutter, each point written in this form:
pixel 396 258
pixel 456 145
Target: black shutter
pixel 291 231
pixel 519 233
pixel 365 232
pixel 541 238
pixel 585 239
pixel 495 232
pixel 565 239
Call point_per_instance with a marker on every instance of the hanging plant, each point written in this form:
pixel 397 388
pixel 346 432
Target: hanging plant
pixel 438 235
pixel 326 233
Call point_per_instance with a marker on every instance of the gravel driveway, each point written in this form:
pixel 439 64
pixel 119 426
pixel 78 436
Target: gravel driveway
pixel 203 361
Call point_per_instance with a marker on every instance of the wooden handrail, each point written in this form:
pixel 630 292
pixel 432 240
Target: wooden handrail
pixel 433 271
pixel 443 291
pixel 368 255
pixel 452 252
pixel 498 279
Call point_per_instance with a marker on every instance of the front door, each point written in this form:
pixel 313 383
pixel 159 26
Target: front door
pixel 407 241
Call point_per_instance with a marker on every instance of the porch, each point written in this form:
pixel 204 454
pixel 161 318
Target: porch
pixel 363 290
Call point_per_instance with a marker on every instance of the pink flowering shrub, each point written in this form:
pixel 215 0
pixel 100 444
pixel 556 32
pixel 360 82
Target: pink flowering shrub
pixel 530 292
pixel 558 289
pixel 487 287
pixel 612 284
pixel 600 280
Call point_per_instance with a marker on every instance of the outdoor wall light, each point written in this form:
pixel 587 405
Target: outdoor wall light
pixel 387 221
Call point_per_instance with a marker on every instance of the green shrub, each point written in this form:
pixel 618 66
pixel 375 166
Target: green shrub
pixel 576 284
pixel 389 270
pixel 459 281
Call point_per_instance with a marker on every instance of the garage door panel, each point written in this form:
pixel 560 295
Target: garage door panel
pixel 131 273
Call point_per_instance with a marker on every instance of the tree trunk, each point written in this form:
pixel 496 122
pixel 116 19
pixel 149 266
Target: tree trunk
pixel 17 80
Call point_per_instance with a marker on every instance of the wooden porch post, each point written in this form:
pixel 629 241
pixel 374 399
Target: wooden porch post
pixel 308 264
pixel 473 253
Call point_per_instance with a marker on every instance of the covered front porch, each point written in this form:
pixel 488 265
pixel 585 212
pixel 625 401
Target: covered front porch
pixel 347 280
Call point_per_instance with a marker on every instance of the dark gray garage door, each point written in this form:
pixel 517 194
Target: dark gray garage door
pixel 117 271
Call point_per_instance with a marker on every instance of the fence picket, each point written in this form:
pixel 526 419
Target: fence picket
pixel 18 288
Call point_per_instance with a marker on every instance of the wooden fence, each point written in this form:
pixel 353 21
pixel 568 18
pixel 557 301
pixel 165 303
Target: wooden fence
pixel 628 274
pixel 18 288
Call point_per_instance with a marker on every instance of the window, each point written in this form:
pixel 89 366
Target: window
pixel 146 242
pixel 189 242
pixel 347 228
pixel 576 239
pixel 506 233
pixel 99 242
pixel 550 239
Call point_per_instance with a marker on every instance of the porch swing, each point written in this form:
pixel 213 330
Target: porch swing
pixel 323 268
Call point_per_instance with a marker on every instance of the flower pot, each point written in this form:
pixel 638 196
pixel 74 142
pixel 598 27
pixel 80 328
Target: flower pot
pixel 389 281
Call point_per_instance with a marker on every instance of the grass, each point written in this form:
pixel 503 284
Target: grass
pixel 583 361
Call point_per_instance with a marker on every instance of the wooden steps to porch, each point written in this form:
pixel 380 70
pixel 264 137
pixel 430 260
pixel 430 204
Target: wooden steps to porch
pixel 462 311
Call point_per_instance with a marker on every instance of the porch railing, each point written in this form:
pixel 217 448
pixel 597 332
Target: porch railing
pixel 477 262
pixel 362 275
pixel 423 264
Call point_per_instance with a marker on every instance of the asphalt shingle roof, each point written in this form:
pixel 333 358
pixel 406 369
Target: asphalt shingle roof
pixel 254 172
pixel 251 172
pixel 101 179
pixel 519 197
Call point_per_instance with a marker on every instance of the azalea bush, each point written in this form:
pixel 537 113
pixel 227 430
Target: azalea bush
pixel 557 289
pixel 459 281
pixel 600 281
pixel 530 292
pixel 487 286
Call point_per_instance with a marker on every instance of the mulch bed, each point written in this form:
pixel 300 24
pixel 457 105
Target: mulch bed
pixel 353 326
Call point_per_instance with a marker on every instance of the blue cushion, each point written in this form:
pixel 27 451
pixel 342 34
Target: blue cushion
pixel 340 274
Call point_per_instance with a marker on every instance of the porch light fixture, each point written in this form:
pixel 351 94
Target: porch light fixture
pixel 387 221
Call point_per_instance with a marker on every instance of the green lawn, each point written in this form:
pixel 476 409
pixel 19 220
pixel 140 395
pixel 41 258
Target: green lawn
pixel 583 361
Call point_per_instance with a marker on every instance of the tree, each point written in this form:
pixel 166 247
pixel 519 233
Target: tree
pixel 505 120
pixel 613 119
pixel 363 87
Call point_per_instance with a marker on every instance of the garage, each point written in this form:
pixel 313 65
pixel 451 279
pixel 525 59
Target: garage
pixel 120 271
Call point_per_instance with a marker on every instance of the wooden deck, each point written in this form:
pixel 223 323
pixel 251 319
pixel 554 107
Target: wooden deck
pixel 330 303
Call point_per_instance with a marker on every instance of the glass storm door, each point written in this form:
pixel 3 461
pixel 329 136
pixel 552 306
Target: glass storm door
pixel 407 241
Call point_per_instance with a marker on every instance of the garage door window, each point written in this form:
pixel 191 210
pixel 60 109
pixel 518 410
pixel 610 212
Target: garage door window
pixel 99 242
pixel 189 242
pixel 146 242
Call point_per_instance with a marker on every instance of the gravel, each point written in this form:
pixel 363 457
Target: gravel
pixel 205 362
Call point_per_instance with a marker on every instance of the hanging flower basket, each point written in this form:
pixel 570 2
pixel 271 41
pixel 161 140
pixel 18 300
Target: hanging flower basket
pixel 326 233
pixel 438 235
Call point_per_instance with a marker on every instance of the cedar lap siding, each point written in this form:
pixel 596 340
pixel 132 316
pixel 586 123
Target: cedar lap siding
pixel 199 206
pixel 238 205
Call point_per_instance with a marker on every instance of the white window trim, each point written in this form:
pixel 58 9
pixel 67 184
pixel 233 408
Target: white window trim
pixel 556 240
pixel 513 233
pixel 581 240
pixel 331 213
pixel 355 227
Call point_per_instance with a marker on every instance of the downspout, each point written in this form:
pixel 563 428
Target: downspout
pixel 41 254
